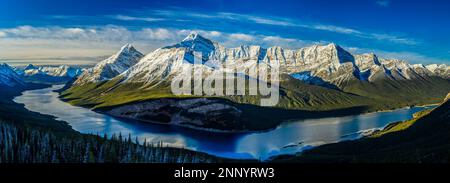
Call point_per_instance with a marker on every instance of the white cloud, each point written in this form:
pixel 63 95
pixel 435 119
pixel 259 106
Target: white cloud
pixel 336 29
pixel 181 15
pixel 284 42
pixel 277 21
pixel 27 42
pixel 132 18
pixel 383 3
pixel 278 39
pixel 353 50
pixel 75 30
pixel 208 34
pixel 215 33
pixel 156 34
pixel 105 33
pixel 242 37
pixel 270 22
pixel 42 43
pixel 394 39
pixel 255 19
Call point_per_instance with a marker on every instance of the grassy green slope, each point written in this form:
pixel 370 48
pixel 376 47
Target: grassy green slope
pixel 298 101
pixel 105 94
pixel 425 138
pixel 294 94
pixel 398 93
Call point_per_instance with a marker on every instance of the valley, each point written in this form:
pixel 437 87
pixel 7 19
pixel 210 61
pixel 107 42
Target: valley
pixel 287 138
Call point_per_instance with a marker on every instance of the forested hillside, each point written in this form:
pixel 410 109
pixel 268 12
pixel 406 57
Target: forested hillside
pixel 26 145
pixel 423 139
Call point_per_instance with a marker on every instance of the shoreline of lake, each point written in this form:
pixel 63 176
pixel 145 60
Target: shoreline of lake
pixel 257 145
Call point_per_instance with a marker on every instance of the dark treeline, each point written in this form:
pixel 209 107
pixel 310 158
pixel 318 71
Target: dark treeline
pixel 27 145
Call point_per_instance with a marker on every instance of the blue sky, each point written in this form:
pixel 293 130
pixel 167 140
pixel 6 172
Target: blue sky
pixel 78 32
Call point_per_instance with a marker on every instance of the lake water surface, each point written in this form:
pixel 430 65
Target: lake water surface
pixel 289 137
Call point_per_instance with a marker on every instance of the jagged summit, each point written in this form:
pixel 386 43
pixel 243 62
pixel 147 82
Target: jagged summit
pixel 116 64
pixel 334 46
pixel 198 43
pixel 127 45
pixel 192 36
pixel 30 66
pixel 127 48
pixel 195 38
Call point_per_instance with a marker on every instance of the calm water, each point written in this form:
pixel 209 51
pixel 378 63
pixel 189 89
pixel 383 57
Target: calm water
pixel 290 137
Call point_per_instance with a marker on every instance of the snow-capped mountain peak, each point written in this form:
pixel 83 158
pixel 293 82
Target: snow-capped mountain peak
pixel 196 38
pixel 127 49
pixel 191 37
pixel 116 64
pixel 331 63
pixel 30 66
pixel 197 43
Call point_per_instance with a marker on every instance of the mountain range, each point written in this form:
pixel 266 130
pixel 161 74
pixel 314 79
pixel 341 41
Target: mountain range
pixel 330 63
pixel 49 74
pixel 315 78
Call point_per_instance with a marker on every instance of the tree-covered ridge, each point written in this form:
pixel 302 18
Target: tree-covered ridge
pixel 423 139
pixel 29 145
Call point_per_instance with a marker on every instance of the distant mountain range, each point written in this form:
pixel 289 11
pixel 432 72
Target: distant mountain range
pixel 316 78
pixel 49 74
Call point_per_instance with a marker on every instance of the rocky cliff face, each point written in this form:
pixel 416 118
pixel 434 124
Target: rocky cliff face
pixel 200 113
